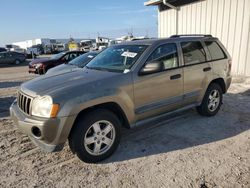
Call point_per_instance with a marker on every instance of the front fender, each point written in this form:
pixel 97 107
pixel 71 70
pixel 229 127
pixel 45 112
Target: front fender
pixel 74 106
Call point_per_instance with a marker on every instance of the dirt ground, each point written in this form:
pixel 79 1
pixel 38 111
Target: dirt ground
pixel 184 151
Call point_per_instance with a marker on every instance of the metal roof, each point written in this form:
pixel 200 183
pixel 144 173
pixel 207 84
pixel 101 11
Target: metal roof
pixel 176 3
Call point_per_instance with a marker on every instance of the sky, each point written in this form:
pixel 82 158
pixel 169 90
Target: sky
pixel 30 19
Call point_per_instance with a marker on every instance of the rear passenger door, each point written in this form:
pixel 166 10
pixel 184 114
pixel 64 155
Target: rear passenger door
pixel 197 71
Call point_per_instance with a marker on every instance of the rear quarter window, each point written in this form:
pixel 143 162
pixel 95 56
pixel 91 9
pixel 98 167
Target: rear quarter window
pixel 193 52
pixel 215 50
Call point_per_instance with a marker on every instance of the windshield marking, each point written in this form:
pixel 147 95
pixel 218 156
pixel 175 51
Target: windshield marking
pixel 129 54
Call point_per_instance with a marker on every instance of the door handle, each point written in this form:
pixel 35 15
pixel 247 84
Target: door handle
pixel 206 69
pixel 176 76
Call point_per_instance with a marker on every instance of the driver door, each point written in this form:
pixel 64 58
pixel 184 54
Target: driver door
pixel 3 58
pixel 9 58
pixel 160 92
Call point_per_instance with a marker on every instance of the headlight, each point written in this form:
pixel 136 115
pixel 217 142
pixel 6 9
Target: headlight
pixel 38 65
pixel 44 107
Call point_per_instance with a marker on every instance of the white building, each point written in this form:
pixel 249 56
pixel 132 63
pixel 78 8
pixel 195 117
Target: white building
pixel 28 43
pixel 44 41
pixel 229 20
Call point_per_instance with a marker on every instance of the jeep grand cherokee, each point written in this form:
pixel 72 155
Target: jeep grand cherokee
pixel 128 85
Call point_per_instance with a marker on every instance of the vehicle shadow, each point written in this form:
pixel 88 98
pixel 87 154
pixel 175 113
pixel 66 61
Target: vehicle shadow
pixel 186 130
pixel 5 105
pixel 9 84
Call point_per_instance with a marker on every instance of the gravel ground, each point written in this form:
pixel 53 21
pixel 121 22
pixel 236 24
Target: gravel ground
pixel 184 151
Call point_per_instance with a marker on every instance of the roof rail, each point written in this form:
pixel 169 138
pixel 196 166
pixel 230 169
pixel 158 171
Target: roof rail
pixel 191 35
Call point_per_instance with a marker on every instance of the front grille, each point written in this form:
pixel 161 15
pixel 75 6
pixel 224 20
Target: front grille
pixel 24 102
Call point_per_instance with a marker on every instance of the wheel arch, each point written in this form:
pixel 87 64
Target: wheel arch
pixel 221 83
pixel 111 106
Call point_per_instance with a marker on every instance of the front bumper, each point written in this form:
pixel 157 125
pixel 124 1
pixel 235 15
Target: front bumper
pixel 54 131
pixel 33 70
pixel 36 70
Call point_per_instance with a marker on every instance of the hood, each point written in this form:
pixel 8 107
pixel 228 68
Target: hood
pixel 42 60
pixel 61 69
pixel 45 84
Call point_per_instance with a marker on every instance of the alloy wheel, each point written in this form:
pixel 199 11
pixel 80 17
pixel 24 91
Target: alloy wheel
pixel 213 100
pixel 99 137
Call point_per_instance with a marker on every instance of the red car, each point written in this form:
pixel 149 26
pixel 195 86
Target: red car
pixel 41 66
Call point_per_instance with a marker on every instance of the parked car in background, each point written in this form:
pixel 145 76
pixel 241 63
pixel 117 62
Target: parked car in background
pixel 127 85
pixel 41 66
pixel 59 47
pixel 12 58
pixel 75 64
pixel 3 50
pixel 34 51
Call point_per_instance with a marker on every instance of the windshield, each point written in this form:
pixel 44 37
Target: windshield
pixel 57 56
pixel 82 60
pixel 117 58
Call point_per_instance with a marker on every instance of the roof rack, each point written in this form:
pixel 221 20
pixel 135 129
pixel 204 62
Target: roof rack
pixel 191 35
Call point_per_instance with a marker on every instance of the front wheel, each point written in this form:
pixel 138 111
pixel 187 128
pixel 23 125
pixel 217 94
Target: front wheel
pixel 95 136
pixel 212 101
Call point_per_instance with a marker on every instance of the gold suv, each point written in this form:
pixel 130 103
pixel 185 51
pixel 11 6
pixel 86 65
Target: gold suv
pixel 128 84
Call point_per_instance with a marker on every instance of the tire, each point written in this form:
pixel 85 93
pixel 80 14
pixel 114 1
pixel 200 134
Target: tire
pixel 40 71
pixel 212 101
pixel 85 141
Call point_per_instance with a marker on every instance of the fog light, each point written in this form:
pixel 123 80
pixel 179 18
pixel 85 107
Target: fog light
pixel 36 131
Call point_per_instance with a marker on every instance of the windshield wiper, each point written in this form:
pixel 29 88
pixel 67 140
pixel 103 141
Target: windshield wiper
pixel 99 68
pixel 72 65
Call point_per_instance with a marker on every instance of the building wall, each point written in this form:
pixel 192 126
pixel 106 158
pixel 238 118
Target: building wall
pixel 29 43
pixel 229 20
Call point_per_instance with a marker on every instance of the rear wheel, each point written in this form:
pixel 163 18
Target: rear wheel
pixel 95 136
pixel 212 101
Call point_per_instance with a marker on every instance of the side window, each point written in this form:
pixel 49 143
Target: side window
pixel 65 58
pixel 193 53
pixel 72 56
pixel 167 54
pixel 80 53
pixel 215 50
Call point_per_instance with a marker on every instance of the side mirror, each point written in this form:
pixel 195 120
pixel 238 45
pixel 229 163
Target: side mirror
pixel 152 67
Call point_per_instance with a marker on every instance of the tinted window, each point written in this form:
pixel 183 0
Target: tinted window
pixel 82 60
pixel 72 56
pixel 58 56
pixel 214 50
pixel 166 53
pixel 193 53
